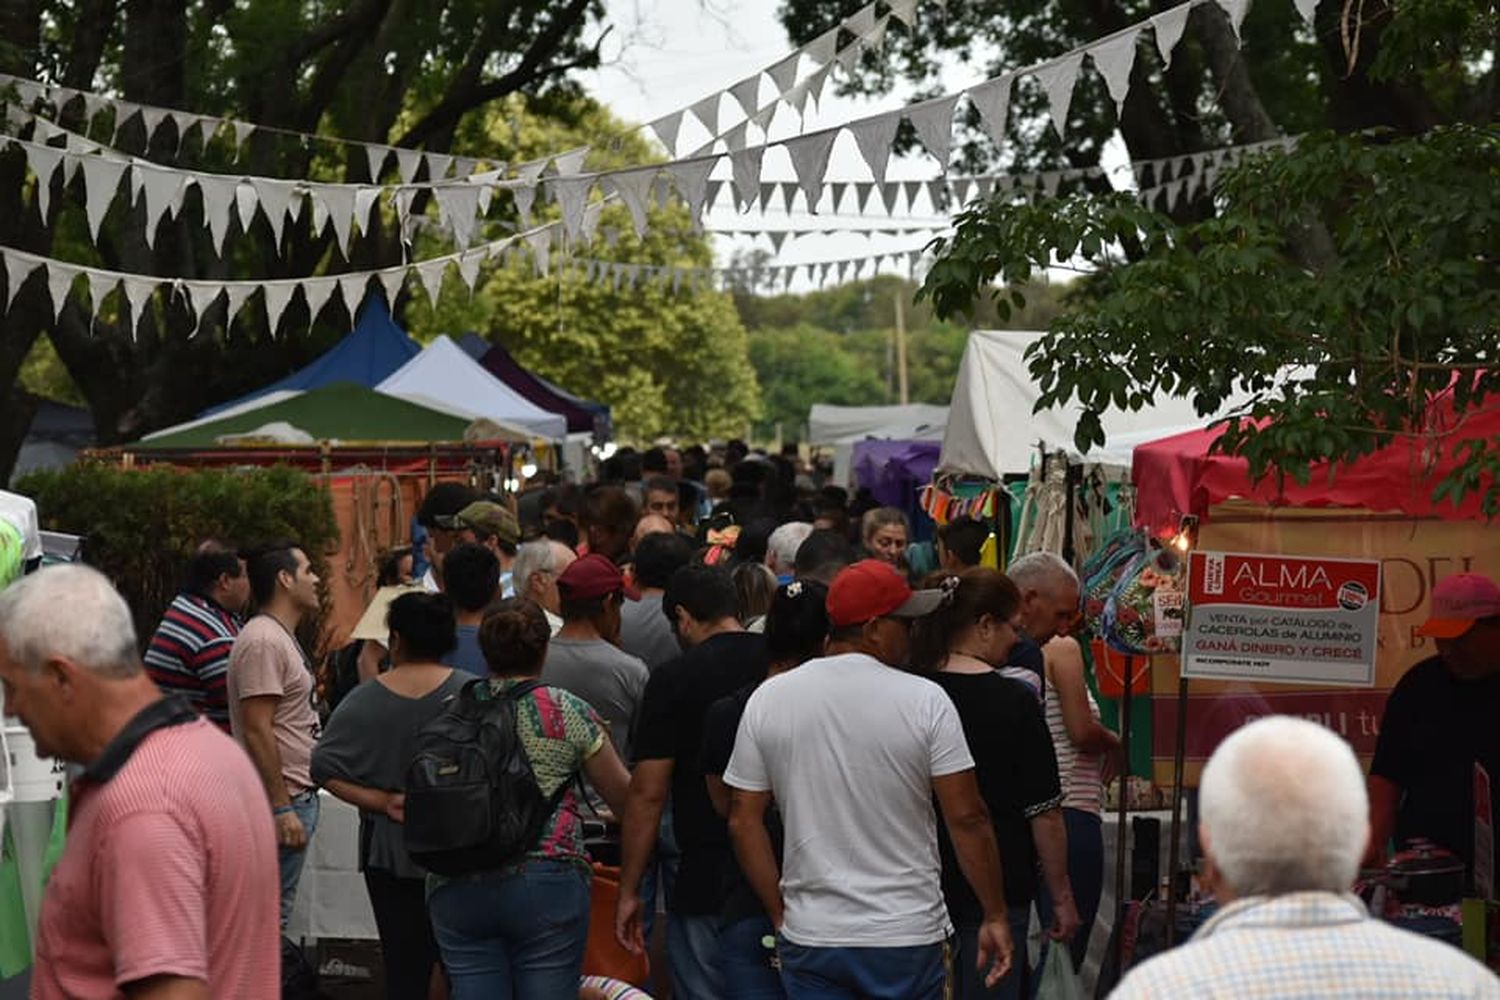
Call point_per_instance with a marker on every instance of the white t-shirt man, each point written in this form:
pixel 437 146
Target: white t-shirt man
pixel 849 747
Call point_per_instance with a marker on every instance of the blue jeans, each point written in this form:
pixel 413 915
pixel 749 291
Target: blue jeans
pixel 290 860
pixel 1085 872
pixel 516 933
pixel 745 963
pixel 969 979
pixel 662 869
pixel 693 954
pixel 917 973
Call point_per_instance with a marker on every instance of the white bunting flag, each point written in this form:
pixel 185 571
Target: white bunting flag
pixel 1057 80
pixel 1236 11
pixel 571 162
pixel 747 94
pixel 317 292
pixel 822 49
pixel 275 197
pixel 745 165
pixel 201 297
pixel 1308 9
pixel 101 283
pixel 691 180
pixel 571 195
pixel 245 204
pixel 275 296
pixel 525 198
pixel 152 118
pixel 124 111
pixel 1114 60
pixel 809 155
pixel 392 280
pixel 59 283
pixel 904 11
pixel 438 165
pixel 666 130
pixel 408 162
pixel 242 133
pixel 235 295
pixel 933 121
pixel 707 112
pixel 365 199
pixel 874 137
pixel 352 290
pixel 17 270
pixel 185 122
pixel 992 100
pixel 1168 27
pixel 339 200
pixel 848 56
pixel 101 177
pixel 375 157
pixel 217 191
pixel 430 274
pixel 43 161
pixel 138 292
pixel 634 188
pixel 540 243
pixel 458 208
pixel 784 73
pixel 861 22
pixel 468 267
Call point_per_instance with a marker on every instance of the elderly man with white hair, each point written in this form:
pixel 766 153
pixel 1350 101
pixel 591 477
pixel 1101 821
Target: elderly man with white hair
pixel 167 886
pixel 536 569
pixel 1284 824
pixel 782 546
pixel 1049 604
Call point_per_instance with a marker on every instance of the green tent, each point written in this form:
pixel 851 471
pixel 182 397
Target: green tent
pixel 343 412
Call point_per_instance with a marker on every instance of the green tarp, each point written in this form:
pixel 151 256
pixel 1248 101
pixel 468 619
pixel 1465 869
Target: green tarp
pixel 342 412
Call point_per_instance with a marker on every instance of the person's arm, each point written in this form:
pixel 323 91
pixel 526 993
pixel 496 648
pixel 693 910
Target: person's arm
pixel 718 794
pixel 649 787
pixel 1385 799
pixel 608 776
pixel 1051 838
pixel 973 837
pixel 753 849
pixel 167 988
pixel 1065 672
pixel 372 800
pixel 260 743
pixel 212 667
pixel 370 656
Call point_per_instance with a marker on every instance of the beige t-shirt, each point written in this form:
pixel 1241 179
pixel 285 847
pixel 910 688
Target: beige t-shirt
pixel 266 660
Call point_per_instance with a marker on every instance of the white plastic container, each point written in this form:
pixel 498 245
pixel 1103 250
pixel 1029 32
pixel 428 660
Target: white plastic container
pixel 32 778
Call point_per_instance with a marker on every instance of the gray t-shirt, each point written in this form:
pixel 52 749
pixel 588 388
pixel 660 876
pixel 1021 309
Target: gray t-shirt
pixel 605 676
pixel 646 633
pixel 368 741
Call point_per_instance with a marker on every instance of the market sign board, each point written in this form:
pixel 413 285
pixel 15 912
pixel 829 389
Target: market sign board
pixel 1287 619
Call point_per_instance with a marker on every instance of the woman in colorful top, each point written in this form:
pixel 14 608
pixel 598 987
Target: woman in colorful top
pixel 520 931
pixel 959 646
pixel 362 759
pixel 1082 745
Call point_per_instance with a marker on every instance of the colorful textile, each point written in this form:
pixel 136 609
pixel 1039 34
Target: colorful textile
pixel 612 989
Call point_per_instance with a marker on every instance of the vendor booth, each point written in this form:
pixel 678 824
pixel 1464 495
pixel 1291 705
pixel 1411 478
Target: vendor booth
pixel 443 375
pixel 841 427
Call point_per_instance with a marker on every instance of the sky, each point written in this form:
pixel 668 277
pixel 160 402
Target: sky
pixel 664 55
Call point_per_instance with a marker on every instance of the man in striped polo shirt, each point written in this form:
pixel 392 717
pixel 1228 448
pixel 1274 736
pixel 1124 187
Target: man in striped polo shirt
pixel 189 654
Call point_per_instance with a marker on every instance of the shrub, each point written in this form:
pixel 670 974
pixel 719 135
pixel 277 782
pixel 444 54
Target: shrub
pixel 141 526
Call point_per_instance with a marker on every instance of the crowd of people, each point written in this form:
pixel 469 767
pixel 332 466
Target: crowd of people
pixel 831 765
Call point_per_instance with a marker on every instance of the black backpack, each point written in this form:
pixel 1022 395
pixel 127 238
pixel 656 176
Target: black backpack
pixel 472 801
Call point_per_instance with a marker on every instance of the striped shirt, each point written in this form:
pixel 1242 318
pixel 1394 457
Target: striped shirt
pixel 169 870
pixel 189 654
pixel 1080 772
pixel 1308 946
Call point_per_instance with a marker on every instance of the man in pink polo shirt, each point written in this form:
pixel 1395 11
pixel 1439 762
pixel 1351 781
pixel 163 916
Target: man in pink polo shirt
pixel 167 886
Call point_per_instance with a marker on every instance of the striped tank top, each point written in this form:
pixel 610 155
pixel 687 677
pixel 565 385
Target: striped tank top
pixel 1080 773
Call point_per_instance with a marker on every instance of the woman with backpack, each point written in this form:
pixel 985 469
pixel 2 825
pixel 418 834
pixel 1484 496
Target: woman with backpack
pixel 362 759
pixel 519 929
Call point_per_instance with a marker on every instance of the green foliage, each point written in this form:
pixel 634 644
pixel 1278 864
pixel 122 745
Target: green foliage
pixel 141 526
pixel 805 364
pixel 1339 354
pixel 44 374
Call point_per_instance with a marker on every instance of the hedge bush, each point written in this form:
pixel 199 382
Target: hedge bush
pixel 141 526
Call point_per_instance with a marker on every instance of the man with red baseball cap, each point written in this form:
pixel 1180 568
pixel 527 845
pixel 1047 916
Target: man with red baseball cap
pixel 1441 724
pixel 585 657
pixel 853 750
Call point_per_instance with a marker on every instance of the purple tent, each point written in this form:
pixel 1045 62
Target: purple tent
pixel 894 470
pixel 582 415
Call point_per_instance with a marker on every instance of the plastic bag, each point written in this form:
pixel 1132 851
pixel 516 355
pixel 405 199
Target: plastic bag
pixel 1059 981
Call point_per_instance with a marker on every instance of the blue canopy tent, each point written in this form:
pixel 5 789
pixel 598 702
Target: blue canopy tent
pixel 374 349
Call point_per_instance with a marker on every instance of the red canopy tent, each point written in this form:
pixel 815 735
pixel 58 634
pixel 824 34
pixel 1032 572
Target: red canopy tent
pixel 1177 475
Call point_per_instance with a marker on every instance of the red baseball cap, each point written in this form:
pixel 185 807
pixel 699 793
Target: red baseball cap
pixel 873 589
pixel 590 576
pixel 1459 601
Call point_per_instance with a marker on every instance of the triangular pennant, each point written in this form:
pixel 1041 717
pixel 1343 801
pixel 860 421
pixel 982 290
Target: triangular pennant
pixel 763 118
pixel 572 195
pixel 862 192
pixel 235 294
pixel 407 163
pixel 138 292
pixel 937 194
pixel 933 121
pixel 465 166
pixel 634 187
pixel 809 155
pixel 540 243
pixel 124 111
pixel 317 292
pixel 571 162
pixel 747 94
pixel 275 296
pixel 245 203
pixel 1168 27
pixel 242 133
pixel 1174 191
pixel 1308 9
pixel 59 282
pixel 1114 59
pixel 736 138
pixel 17 270
pixel 275 197
pixel 468 267
pixel 691 180
pixel 876 38
pixel 365 199
pixel 711 194
pixel 861 22
pixel 836 192
pixel 152 119
pixel 707 112
pixel 392 279
pixel 352 288
pixel 1057 80
pixel 986 188
pixel 339 200
pixel 796 98
pixel 101 283
pixel 375 157
pixel 458 208
pixel 842 267
pixel 784 73
pixel 218 195
pixel 101 177
pixel 592 214
pixel 666 129
pixel 430 275
pixel 438 165
pixel 201 297
pixel 963 188
pixel 890 194
pixel 904 11
pixel 184 121
pixel 1050 180
pixel 874 137
pixel 525 197
pixel 821 49
pixel 778 237
pixel 43 161
pixel 93 106
pixel 1236 11
pixel 816 82
pixel 912 189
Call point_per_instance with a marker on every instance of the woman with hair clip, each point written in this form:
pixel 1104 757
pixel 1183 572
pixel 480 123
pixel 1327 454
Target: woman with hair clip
pixel 960 646
pixel 796 627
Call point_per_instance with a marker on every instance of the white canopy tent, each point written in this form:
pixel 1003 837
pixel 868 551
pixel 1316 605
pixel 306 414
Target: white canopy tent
pixel 994 431
pixel 443 375
pixel 840 427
